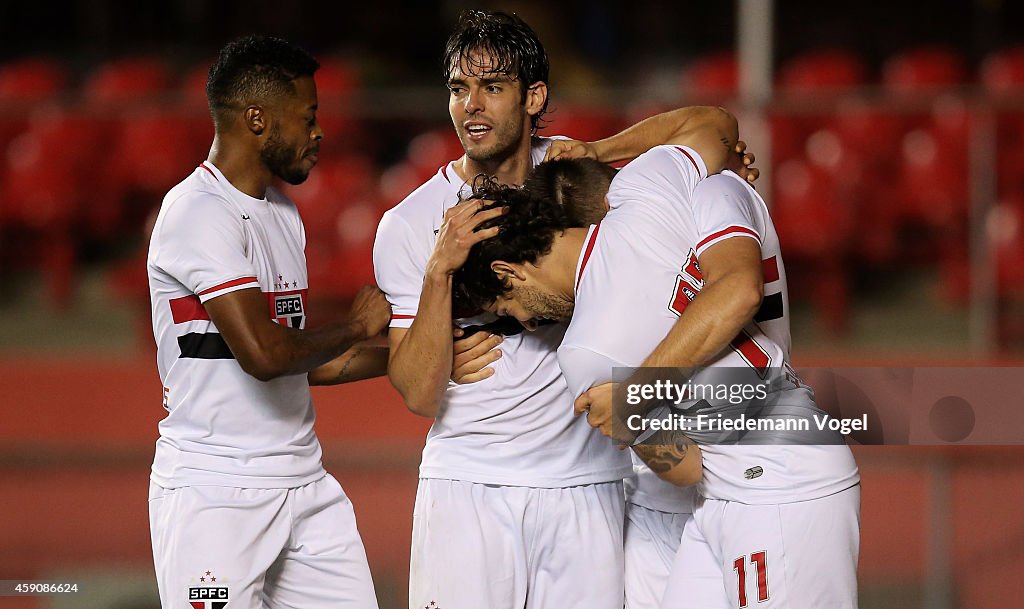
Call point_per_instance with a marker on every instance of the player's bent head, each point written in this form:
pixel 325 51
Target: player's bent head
pixel 488 42
pixel 254 70
pixel 525 234
pixel 580 186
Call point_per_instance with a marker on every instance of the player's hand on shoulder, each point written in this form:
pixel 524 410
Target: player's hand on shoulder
pixel 459 234
pixel 473 355
pixel 742 163
pixel 570 149
pixel 371 310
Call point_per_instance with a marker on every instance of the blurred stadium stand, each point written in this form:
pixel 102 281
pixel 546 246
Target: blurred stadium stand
pixel 868 172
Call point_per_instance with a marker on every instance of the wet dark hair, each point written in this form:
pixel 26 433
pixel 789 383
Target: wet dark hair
pixel 506 39
pixel 252 69
pixel 526 233
pixel 577 185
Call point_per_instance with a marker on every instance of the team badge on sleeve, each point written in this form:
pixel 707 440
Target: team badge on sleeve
pixel 288 308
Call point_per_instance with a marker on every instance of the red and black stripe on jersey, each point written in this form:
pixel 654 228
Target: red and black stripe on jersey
pixel 285 308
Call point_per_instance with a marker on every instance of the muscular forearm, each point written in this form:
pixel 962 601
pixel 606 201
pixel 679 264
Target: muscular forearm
pixel 363 361
pixel 661 129
pixel 673 457
pixel 708 324
pixel 421 363
pixel 267 350
pixel 300 351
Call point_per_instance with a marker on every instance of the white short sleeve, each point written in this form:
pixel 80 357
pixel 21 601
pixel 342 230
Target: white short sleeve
pixel 202 244
pixel 671 171
pixel 722 209
pixel 583 368
pixel 398 267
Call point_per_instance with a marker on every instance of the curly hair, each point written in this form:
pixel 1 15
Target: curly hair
pixel 507 41
pixel 525 234
pixel 254 68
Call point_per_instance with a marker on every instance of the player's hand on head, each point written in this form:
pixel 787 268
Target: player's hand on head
pixel 459 234
pixel 473 355
pixel 570 149
pixel 371 310
pixel 742 163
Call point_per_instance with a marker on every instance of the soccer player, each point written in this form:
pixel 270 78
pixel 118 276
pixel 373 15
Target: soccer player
pixel 241 509
pixel 685 271
pixel 518 504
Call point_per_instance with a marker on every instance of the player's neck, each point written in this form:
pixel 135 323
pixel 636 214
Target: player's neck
pixel 510 170
pixel 241 167
pixel 564 255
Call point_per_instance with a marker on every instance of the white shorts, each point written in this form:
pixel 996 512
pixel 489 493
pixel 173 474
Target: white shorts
pixel 800 555
pixel 292 548
pixel 651 539
pixel 477 546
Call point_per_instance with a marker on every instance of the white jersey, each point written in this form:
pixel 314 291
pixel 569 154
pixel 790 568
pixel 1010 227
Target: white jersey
pixel 637 273
pixel 225 427
pixel 517 427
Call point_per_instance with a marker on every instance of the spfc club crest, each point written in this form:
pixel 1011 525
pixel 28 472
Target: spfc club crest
pixel 208 595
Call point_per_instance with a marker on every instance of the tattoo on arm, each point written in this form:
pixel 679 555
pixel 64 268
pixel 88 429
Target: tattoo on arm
pixel 664 450
pixel 343 373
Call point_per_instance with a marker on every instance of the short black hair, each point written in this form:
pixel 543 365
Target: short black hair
pixel 255 68
pixel 525 234
pixel 508 41
pixel 577 185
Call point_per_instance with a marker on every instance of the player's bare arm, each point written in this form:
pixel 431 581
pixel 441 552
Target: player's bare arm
pixel 691 126
pixel 670 454
pixel 734 286
pixel 267 350
pixel 694 126
pixel 366 360
pixel 673 456
pixel 733 289
pixel 422 356
pixel 713 134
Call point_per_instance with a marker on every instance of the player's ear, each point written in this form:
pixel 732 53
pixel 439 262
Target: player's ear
pixel 255 119
pixel 536 95
pixel 506 270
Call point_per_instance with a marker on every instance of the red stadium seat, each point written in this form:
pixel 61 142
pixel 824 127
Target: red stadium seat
pixel 397 181
pixel 816 74
pixel 333 185
pixel 712 78
pixel 192 87
pixel 47 184
pixel 857 185
pixel 23 84
pixel 336 80
pixel 933 181
pixel 924 70
pixel 1002 72
pixel 339 211
pixel 31 80
pixel 1006 230
pixel 152 150
pixel 815 228
pixel 431 150
pixel 127 81
pixel 581 123
pixel 822 71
